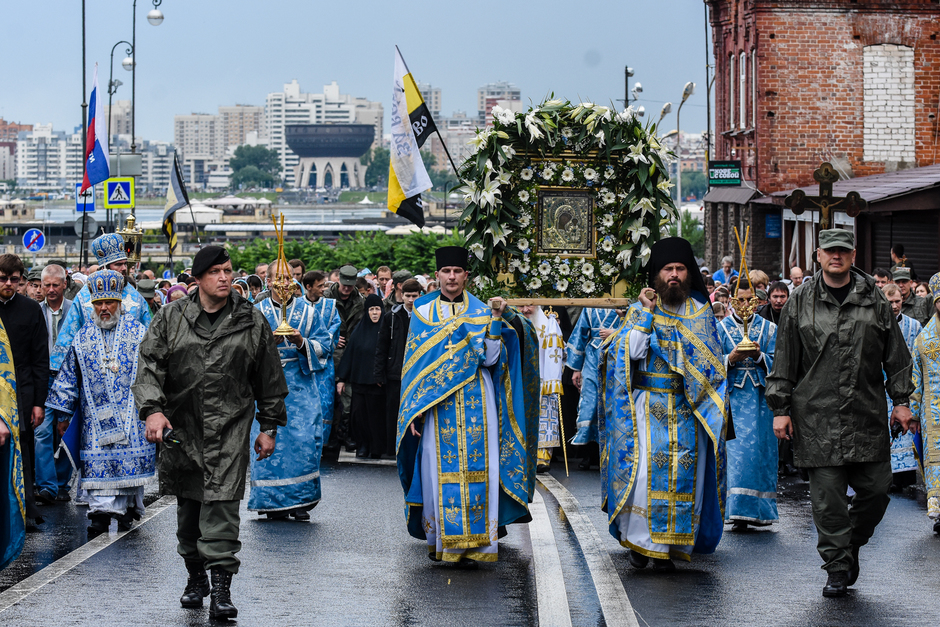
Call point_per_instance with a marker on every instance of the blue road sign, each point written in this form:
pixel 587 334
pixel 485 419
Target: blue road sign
pixel 119 193
pixel 84 202
pixel 34 240
pixel 167 274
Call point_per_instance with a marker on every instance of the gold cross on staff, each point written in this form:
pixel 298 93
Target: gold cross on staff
pixel 826 175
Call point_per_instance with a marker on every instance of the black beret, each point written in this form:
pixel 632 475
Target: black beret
pixel 207 257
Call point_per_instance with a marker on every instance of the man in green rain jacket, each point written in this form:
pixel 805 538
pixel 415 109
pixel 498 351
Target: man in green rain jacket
pixel 836 342
pixel 206 362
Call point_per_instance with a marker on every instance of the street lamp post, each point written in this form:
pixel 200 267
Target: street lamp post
pixel 113 83
pixel 155 17
pixel 687 91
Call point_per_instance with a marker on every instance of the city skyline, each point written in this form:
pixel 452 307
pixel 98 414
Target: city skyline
pixel 247 55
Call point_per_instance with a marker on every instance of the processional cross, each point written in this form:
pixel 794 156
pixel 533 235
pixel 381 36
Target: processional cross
pixel 852 203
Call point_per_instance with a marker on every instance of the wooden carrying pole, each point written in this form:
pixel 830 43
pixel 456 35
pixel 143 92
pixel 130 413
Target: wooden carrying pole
pixel 600 303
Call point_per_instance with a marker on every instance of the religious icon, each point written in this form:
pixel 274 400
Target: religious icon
pixel 565 219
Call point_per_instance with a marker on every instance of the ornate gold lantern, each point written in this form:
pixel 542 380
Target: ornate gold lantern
pixel 133 240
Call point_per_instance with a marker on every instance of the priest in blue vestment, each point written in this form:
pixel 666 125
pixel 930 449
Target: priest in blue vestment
pixel 12 494
pixel 461 444
pixel 663 436
pixel 315 284
pixel 752 454
pixel 117 461
pixel 925 401
pixel 110 254
pixel 583 355
pixel 288 482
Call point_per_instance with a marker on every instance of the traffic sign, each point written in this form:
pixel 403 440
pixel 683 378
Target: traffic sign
pixel 119 192
pixel 84 202
pixel 167 274
pixel 91 227
pixel 34 240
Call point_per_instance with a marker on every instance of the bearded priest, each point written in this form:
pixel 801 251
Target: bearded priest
pixel 97 372
pixel 461 444
pixel 663 444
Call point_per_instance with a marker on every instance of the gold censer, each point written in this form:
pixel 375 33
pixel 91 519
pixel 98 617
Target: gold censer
pixel 745 309
pixel 282 284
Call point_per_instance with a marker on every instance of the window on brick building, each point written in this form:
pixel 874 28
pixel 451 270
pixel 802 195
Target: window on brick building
pixel 753 88
pixel 742 91
pixel 731 79
pixel 888 83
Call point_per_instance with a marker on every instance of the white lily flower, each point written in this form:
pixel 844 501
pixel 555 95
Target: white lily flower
pixel 479 141
pixel 637 233
pixel 625 257
pixel 627 115
pixel 600 138
pixel 478 250
pixel 664 186
pixel 503 177
pixel 636 153
pixel 533 125
pixel 487 194
pixel 644 206
pixel 645 254
pixel 510 151
pixel 499 234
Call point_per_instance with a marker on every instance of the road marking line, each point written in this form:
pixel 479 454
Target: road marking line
pixel 549 580
pixel 350 458
pixel 613 598
pixel 14 594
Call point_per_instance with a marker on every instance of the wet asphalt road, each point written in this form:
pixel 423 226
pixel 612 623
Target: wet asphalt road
pixel 354 564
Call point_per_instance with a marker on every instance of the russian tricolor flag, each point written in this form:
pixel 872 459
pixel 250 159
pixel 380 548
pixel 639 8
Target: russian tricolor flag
pixel 97 168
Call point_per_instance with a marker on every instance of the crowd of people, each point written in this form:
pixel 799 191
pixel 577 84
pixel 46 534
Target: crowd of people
pixel 679 400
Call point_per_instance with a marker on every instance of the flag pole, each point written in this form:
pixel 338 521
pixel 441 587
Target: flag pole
pixel 195 230
pixel 436 130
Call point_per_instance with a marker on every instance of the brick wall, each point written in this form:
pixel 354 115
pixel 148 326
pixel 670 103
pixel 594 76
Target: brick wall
pixel 888 83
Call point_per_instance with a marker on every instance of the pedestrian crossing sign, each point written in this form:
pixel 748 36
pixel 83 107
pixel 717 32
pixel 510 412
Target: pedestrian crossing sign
pixel 119 192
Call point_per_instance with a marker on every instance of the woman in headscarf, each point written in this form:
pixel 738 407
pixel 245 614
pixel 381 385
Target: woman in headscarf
pixel 357 368
pixel 176 292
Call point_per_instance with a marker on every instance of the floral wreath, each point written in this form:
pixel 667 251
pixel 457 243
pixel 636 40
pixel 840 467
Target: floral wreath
pixel 585 147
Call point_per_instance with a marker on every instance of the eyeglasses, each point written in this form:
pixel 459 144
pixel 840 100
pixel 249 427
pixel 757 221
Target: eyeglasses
pixel 10 279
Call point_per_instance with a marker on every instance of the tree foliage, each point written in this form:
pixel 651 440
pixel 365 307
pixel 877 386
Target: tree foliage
pixel 252 176
pixel 414 252
pixel 259 157
pixel 694 184
pixel 377 161
pixel 692 231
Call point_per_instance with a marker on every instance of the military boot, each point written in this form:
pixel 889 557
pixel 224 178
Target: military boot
pixel 197 587
pixel 220 600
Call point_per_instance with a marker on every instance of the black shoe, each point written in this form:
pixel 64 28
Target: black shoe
pixel 853 572
pixel 197 586
pixel 300 516
pixel 433 557
pixel 63 496
pixel 739 525
pixel 542 468
pixel 467 564
pixel 663 565
pixel 638 560
pixel 220 599
pixel 837 584
pixel 99 524
pixel 277 515
pixel 126 520
pixel 936 527
pixel 46 497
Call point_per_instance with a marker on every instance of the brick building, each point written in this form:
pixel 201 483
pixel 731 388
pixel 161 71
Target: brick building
pixel 9 131
pixel 799 82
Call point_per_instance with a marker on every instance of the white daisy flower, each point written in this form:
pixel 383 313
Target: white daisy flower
pixel 561 285
pixel 523 244
pixel 545 268
pixel 535 283
pixel 590 174
pixel 525 220
pixel 607 245
pixel 607 269
pixel 609 198
pixel 567 175
pixel 547 174
pixel 588 269
pixel 524 196
pixel 607 220
pixel 608 173
pixel 564 269
pixel 526 174
pixel 588 287
pixel 567 132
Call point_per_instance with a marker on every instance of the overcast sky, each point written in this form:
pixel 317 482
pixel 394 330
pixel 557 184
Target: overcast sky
pixel 212 52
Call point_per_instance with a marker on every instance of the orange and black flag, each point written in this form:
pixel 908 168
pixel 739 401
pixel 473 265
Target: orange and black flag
pixel 411 126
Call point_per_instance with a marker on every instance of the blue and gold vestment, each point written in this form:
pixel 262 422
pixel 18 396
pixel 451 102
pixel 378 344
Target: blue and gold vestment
pixel 668 401
pixel 752 454
pixel 904 447
pixel 462 374
pixel 583 354
pixel 13 498
pixel 290 478
pixel 326 374
pixel 925 405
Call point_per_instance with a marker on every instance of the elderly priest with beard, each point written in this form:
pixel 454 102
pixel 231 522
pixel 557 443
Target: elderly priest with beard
pixel 663 444
pixel 116 459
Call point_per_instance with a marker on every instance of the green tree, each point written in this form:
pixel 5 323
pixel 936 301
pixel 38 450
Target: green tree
pixel 255 156
pixel 252 176
pixel 691 230
pixel 694 184
pixel 377 161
